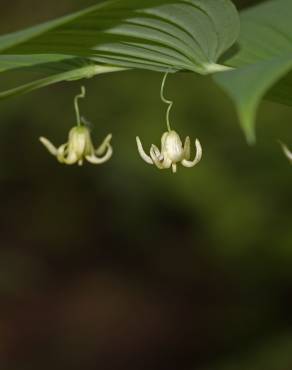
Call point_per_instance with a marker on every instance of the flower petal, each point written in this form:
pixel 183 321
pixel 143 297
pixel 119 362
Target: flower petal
pixel 51 148
pixel 67 156
pixel 156 156
pixel 142 153
pixel 174 168
pixel 287 151
pixel 199 153
pixel 99 160
pixel 161 161
pixel 103 147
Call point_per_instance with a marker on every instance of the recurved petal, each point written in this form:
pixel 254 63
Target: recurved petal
pixel 61 152
pixel 64 155
pixel 287 151
pixel 199 153
pixel 50 147
pixel 157 152
pixel 99 160
pixel 142 153
pixel 157 157
pixel 104 145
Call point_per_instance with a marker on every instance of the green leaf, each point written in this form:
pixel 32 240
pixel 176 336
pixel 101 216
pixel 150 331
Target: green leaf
pixel 159 35
pixel 68 70
pixel 262 63
pixel 12 62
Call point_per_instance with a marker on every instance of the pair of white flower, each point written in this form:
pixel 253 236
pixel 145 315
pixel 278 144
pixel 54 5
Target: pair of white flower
pixel 80 147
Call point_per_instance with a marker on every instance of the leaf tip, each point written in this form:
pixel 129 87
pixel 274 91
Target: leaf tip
pixel 251 137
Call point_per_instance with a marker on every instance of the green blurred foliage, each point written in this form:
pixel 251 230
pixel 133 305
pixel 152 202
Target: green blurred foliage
pixel 122 266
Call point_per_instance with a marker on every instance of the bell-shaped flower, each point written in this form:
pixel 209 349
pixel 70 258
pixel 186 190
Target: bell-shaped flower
pixel 172 152
pixel 79 147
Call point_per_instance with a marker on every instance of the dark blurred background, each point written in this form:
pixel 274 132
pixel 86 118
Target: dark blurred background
pixel 122 266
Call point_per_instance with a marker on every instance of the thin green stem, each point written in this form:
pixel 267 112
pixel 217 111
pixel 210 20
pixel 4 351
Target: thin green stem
pixel 76 105
pixel 168 102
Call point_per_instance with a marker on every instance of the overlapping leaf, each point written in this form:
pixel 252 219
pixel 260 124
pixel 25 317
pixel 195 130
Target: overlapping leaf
pixel 263 59
pixel 160 35
pixel 181 34
pixel 164 35
pixel 68 69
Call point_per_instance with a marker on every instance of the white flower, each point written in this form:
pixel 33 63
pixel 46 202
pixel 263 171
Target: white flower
pixel 80 147
pixel 172 152
pixel 287 152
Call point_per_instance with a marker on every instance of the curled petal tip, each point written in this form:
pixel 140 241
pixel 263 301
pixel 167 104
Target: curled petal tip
pixel 104 146
pixel 199 153
pixel 286 151
pixel 142 153
pixel 109 137
pixel 155 156
pixel 50 147
pixel 199 149
pixel 157 153
pixel 93 159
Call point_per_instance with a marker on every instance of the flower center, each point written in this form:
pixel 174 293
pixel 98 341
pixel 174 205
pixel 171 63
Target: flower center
pixel 173 147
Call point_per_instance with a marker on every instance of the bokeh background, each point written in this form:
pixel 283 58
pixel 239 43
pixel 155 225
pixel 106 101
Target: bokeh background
pixel 122 266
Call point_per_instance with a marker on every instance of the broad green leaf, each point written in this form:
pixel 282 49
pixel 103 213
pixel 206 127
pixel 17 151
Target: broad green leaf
pixel 263 61
pixel 57 68
pixel 158 35
pixel 12 62
pixel 68 70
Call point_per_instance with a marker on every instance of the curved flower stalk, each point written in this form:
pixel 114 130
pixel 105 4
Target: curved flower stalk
pixel 287 152
pixel 172 150
pixel 79 146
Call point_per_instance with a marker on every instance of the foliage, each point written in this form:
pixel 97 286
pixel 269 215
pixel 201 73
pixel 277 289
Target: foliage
pixel 164 35
pixel 263 57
